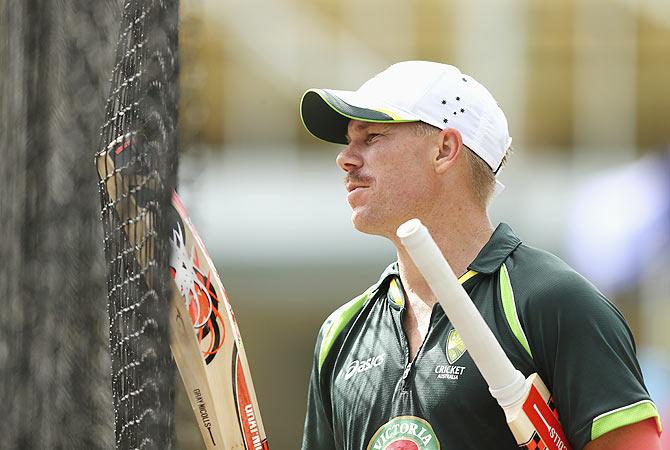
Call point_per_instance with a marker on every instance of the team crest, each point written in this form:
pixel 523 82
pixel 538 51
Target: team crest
pixel 455 346
pixel 405 433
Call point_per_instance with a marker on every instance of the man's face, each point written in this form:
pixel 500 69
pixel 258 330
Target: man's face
pixel 390 174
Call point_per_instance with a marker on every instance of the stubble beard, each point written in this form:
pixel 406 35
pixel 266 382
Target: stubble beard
pixel 373 219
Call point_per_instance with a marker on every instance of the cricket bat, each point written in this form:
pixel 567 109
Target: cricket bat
pixel 204 336
pixel 526 402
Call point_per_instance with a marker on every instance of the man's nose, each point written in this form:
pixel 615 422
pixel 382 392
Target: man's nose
pixel 348 159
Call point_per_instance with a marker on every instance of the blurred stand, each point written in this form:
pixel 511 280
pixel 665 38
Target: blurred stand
pixel 584 84
pixel 619 238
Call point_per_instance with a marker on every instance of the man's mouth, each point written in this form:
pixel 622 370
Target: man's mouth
pixel 352 188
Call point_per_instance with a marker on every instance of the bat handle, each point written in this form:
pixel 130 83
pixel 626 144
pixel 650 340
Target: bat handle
pixel 506 383
pixel 510 397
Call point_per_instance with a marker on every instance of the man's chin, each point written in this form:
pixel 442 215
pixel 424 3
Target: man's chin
pixel 364 224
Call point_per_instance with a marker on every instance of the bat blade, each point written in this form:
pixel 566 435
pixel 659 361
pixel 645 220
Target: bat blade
pixel 223 370
pixel 526 403
pixel 204 336
pixel 193 373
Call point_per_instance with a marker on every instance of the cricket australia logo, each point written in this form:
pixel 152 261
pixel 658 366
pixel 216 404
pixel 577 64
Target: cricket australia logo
pixel 455 349
pixel 405 433
pixel 455 346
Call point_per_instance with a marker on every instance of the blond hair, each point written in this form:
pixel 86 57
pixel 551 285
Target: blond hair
pixel 483 179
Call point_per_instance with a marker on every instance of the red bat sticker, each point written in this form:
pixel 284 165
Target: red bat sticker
pixel 549 432
pixel 200 297
pixel 246 412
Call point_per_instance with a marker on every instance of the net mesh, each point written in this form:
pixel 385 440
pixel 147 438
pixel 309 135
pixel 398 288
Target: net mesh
pixel 137 168
pixel 54 358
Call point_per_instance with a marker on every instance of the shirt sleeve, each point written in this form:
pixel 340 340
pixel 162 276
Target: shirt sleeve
pixel 318 431
pixel 585 352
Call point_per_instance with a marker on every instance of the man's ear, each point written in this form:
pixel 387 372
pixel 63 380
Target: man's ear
pixel 449 143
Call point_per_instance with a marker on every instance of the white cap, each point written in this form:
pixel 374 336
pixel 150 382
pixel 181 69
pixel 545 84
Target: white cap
pixel 413 91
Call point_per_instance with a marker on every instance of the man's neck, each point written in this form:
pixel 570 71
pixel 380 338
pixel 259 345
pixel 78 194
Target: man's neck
pixel 459 240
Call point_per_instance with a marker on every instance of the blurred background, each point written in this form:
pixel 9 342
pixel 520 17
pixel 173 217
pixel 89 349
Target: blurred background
pixel 584 84
pixel 585 88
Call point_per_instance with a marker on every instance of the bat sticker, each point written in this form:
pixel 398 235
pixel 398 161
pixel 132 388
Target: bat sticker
pixel 543 417
pixel 200 297
pixel 246 412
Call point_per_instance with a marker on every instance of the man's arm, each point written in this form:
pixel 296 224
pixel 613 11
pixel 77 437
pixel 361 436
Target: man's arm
pixel 638 436
pixel 583 346
pixel 318 431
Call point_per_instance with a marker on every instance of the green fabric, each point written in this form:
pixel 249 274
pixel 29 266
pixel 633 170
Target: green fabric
pixel 362 379
pixel 338 320
pixel 621 417
pixel 582 347
pixel 509 306
pixel 497 249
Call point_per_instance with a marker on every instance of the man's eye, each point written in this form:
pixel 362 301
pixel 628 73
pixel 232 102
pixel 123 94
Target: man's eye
pixel 371 137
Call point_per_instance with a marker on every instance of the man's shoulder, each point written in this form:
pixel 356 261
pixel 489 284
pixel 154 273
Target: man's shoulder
pixel 345 312
pixel 535 260
pixel 542 280
pixel 340 319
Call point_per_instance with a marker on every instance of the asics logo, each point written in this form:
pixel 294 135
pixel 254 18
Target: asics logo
pixel 359 366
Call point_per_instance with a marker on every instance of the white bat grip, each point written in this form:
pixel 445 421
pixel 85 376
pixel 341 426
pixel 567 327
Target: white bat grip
pixel 505 382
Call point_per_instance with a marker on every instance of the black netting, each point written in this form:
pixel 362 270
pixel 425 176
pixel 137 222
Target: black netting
pixel 137 167
pixel 55 58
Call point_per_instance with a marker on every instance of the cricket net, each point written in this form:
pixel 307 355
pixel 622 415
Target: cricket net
pixel 137 165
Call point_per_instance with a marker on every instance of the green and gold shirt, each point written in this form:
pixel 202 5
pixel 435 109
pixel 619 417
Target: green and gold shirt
pixel 364 392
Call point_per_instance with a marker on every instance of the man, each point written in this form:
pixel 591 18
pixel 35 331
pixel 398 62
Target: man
pixel 390 372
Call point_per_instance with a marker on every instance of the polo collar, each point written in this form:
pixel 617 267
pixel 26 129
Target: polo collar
pixel 502 243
